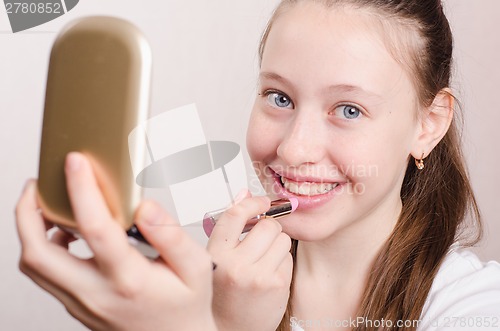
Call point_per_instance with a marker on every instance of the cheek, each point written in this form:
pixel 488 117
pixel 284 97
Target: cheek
pixel 382 160
pixel 263 137
pixel 379 154
pixel 400 139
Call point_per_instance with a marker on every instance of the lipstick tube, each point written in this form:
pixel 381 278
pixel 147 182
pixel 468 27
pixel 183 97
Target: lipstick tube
pixel 278 209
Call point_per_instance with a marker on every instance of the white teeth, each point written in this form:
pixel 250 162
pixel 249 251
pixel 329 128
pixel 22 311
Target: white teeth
pixel 308 188
pixel 303 190
pixel 292 187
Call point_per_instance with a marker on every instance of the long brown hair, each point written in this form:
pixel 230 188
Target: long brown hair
pixel 436 201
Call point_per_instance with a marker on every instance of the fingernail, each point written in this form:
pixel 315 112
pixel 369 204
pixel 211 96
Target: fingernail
pixel 266 199
pixel 73 162
pixel 241 195
pixel 29 186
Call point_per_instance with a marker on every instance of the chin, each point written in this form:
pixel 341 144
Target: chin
pixel 304 231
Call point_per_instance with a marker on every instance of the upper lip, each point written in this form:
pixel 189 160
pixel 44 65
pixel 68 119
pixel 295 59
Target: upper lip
pixel 299 178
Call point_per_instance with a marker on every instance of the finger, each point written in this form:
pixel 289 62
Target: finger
pixel 227 231
pixel 260 239
pixel 242 195
pixel 39 257
pixel 208 224
pixel 30 223
pixel 56 266
pixel 284 272
pixel 31 226
pixel 286 267
pixel 104 236
pixel 277 253
pixel 189 260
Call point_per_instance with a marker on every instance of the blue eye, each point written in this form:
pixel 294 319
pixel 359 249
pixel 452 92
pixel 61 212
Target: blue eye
pixel 348 111
pixel 279 100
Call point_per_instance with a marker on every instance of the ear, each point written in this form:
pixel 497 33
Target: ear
pixel 434 123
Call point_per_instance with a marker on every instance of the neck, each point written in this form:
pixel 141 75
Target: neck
pixel 339 266
pixel 345 253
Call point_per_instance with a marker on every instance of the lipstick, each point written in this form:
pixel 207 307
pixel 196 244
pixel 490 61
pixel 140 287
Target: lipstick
pixel 278 209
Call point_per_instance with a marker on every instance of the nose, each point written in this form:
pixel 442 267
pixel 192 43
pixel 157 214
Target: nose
pixel 305 141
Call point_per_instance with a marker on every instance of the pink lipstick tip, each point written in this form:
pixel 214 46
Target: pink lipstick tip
pixel 295 203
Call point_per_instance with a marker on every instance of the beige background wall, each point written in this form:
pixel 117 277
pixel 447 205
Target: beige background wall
pixel 205 52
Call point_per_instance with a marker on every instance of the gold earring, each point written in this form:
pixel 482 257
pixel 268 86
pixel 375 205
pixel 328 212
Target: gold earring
pixel 420 163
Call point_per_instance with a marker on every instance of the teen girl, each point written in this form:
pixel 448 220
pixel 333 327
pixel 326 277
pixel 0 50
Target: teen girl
pixel 355 118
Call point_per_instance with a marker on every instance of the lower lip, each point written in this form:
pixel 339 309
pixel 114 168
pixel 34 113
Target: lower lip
pixel 305 201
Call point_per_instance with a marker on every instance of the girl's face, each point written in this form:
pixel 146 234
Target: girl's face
pixel 333 123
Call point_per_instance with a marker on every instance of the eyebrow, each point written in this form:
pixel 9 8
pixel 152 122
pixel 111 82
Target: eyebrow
pixel 274 76
pixel 345 88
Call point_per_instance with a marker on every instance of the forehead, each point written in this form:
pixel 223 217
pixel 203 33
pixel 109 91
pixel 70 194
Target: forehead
pixel 337 45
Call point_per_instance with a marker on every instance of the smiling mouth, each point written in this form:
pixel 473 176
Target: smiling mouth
pixel 306 188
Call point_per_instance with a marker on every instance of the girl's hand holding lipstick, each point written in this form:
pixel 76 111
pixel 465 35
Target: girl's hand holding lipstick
pixel 257 269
